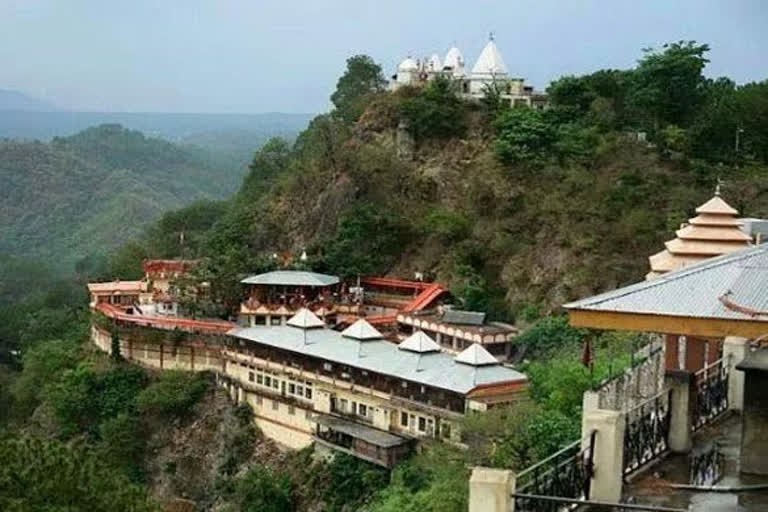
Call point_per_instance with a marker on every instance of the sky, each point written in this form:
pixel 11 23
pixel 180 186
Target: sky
pixel 252 56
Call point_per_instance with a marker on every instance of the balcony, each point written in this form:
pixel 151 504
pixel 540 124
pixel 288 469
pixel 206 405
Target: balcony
pixel 361 441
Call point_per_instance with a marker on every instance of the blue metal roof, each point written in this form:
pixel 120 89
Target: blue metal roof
pixel 436 369
pixel 697 290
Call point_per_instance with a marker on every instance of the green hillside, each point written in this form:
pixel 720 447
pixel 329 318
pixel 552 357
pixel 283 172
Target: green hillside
pixel 93 191
pixel 518 210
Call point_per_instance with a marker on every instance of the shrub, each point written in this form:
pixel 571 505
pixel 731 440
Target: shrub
pixel 437 112
pixel 262 490
pixel 173 393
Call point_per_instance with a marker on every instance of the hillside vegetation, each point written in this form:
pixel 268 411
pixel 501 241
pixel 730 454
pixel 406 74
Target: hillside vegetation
pixel 87 194
pixel 517 210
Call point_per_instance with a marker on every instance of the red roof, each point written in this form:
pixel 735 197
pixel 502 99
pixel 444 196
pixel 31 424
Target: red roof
pixel 169 323
pixel 152 266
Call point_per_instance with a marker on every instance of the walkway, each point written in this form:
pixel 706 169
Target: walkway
pixel 651 487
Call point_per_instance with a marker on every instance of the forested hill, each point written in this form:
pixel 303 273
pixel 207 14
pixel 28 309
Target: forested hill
pixel 518 210
pixel 89 193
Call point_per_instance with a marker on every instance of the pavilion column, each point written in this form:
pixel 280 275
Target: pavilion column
pixel 735 349
pixel 672 352
pixel 608 479
pixel 694 353
pixel 681 384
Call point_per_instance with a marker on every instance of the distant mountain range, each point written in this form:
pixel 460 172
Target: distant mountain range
pixel 17 101
pixel 88 193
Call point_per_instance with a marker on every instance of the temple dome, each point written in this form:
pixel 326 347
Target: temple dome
pixel 490 61
pixel 454 60
pixel 434 63
pixel 408 65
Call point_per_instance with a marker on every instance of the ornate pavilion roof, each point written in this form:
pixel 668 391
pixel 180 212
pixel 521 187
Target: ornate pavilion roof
pixel 715 231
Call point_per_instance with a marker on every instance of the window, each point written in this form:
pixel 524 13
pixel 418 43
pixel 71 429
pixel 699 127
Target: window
pixel 275 405
pixel 307 414
pixel 291 410
pixel 267 381
pixel 308 393
pixel 430 426
pixel 422 424
pixel 343 405
pixel 404 384
pixel 445 429
pixel 259 378
pixel 327 367
pixel 423 389
pixel 354 408
pixel 275 384
pixel 363 410
pixel 251 376
pixel 403 419
pixel 292 388
pixel 300 390
pixel 412 421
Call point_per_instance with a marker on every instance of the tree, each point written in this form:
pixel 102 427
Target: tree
pixel 524 135
pixel 49 476
pixel 262 490
pixel 669 84
pixel 436 112
pixel 115 345
pixel 267 164
pixel 357 86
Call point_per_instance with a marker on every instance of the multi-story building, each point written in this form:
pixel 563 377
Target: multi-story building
pixel 353 390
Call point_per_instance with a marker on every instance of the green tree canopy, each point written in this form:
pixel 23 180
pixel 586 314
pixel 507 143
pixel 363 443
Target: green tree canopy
pixel 356 87
pixel 669 84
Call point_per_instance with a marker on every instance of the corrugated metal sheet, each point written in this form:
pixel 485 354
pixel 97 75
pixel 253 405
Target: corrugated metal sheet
pixel 292 278
pixel 695 291
pixel 433 369
pixel 456 316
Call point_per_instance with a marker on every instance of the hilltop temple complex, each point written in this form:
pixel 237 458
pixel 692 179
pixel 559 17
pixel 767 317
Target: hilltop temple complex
pixel 488 71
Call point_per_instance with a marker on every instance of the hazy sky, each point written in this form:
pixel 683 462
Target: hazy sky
pixel 286 55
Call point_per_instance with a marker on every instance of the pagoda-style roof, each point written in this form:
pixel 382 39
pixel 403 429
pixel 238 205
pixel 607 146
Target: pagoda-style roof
pixel 713 232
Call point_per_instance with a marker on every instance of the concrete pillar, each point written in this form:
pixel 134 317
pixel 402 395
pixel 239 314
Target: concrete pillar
pixel 681 384
pixel 490 490
pixel 590 402
pixel 735 349
pixel 608 478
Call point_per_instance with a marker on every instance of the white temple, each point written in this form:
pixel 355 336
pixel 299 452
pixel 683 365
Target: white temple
pixel 489 70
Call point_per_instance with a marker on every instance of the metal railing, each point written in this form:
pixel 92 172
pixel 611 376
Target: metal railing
pixel 564 474
pixel 647 432
pixel 711 393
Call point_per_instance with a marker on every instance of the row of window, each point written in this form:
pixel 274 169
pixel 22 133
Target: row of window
pixel 268 379
pixel 276 407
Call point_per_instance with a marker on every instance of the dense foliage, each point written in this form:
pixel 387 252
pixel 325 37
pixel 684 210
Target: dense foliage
pixel 84 195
